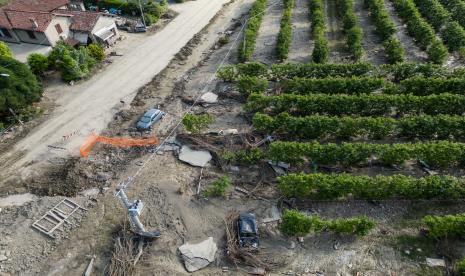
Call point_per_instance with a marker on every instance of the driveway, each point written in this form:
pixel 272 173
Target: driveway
pixel 89 106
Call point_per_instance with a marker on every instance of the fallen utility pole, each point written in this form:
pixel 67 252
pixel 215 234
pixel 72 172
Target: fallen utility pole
pixel 134 210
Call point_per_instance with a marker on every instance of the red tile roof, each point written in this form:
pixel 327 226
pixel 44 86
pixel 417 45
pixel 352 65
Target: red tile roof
pixel 4 22
pixel 82 21
pixel 24 20
pixel 36 5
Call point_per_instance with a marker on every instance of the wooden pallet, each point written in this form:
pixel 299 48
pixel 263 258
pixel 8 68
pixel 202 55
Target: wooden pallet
pixel 56 216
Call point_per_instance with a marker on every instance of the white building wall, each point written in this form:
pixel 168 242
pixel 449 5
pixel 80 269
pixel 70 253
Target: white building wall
pixel 52 33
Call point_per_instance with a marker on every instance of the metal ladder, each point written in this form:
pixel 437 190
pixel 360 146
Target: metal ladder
pixel 56 216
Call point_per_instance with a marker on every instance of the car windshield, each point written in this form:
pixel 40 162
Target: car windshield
pixel 145 119
pixel 248 235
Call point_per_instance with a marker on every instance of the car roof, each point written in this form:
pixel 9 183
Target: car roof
pixel 151 112
pixel 247 223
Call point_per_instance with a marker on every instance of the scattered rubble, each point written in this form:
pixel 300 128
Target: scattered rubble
pixel 198 256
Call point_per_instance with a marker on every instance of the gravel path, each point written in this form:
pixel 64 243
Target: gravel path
pixel 302 44
pixel 372 45
pixel 265 47
pixel 412 51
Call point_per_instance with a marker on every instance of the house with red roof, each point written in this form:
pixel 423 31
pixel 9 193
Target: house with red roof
pixel 46 22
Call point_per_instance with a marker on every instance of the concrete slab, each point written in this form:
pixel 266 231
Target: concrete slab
pixel 23 50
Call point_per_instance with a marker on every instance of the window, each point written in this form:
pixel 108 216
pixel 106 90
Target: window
pixel 58 28
pixel 31 34
pixel 5 33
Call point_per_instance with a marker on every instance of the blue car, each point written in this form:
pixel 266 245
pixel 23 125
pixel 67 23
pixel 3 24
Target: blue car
pixel 149 118
pixel 247 230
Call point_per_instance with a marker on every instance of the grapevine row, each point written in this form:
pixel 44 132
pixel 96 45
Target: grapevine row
pixel 385 29
pixel 456 9
pixel 421 30
pixel 334 85
pixel 441 127
pixel 295 223
pixel 337 186
pixel 360 105
pixel 256 14
pixel 397 72
pixel 285 32
pixel 354 33
pixel 441 154
pixel 451 32
pixel 452 226
pixel 321 49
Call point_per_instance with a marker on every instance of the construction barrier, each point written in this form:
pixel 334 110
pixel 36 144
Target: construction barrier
pixel 87 146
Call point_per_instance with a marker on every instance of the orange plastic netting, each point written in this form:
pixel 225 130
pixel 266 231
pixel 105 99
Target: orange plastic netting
pixel 87 146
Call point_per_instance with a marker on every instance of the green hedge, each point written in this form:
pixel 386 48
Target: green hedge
pixel 342 186
pixel 247 85
pixel 320 127
pixel 440 154
pixel 247 46
pixel 334 85
pixel 249 69
pixel 426 86
pixel 450 226
pixel 361 105
pixel 295 223
pixel 285 32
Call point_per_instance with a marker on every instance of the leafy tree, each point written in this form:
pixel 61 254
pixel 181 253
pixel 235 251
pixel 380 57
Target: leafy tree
pixel 19 86
pixel 96 51
pixel 38 63
pixel 394 51
pixel 5 51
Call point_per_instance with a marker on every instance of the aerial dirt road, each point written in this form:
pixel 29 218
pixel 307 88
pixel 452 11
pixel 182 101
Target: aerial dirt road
pixel 90 105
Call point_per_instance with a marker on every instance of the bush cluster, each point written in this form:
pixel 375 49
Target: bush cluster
pixel 285 32
pixel 440 154
pixel 38 63
pixel 244 157
pixel 295 223
pixel 152 10
pixel 250 69
pixel 320 49
pixel 247 85
pixel 360 105
pixel 196 123
pixel 334 85
pixel 351 27
pixel 5 51
pixel 343 186
pixel 218 187
pixel 73 63
pixel 247 46
pixel 323 127
pixel 450 226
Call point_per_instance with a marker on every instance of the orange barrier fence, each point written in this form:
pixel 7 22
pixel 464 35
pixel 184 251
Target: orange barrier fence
pixel 87 146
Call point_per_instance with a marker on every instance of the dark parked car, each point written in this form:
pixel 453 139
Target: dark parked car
pixel 149 118
pixel 247 230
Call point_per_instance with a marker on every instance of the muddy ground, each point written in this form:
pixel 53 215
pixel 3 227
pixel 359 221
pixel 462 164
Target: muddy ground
pixel 168 188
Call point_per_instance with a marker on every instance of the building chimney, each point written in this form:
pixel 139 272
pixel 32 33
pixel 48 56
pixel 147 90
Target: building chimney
pixel 34 23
